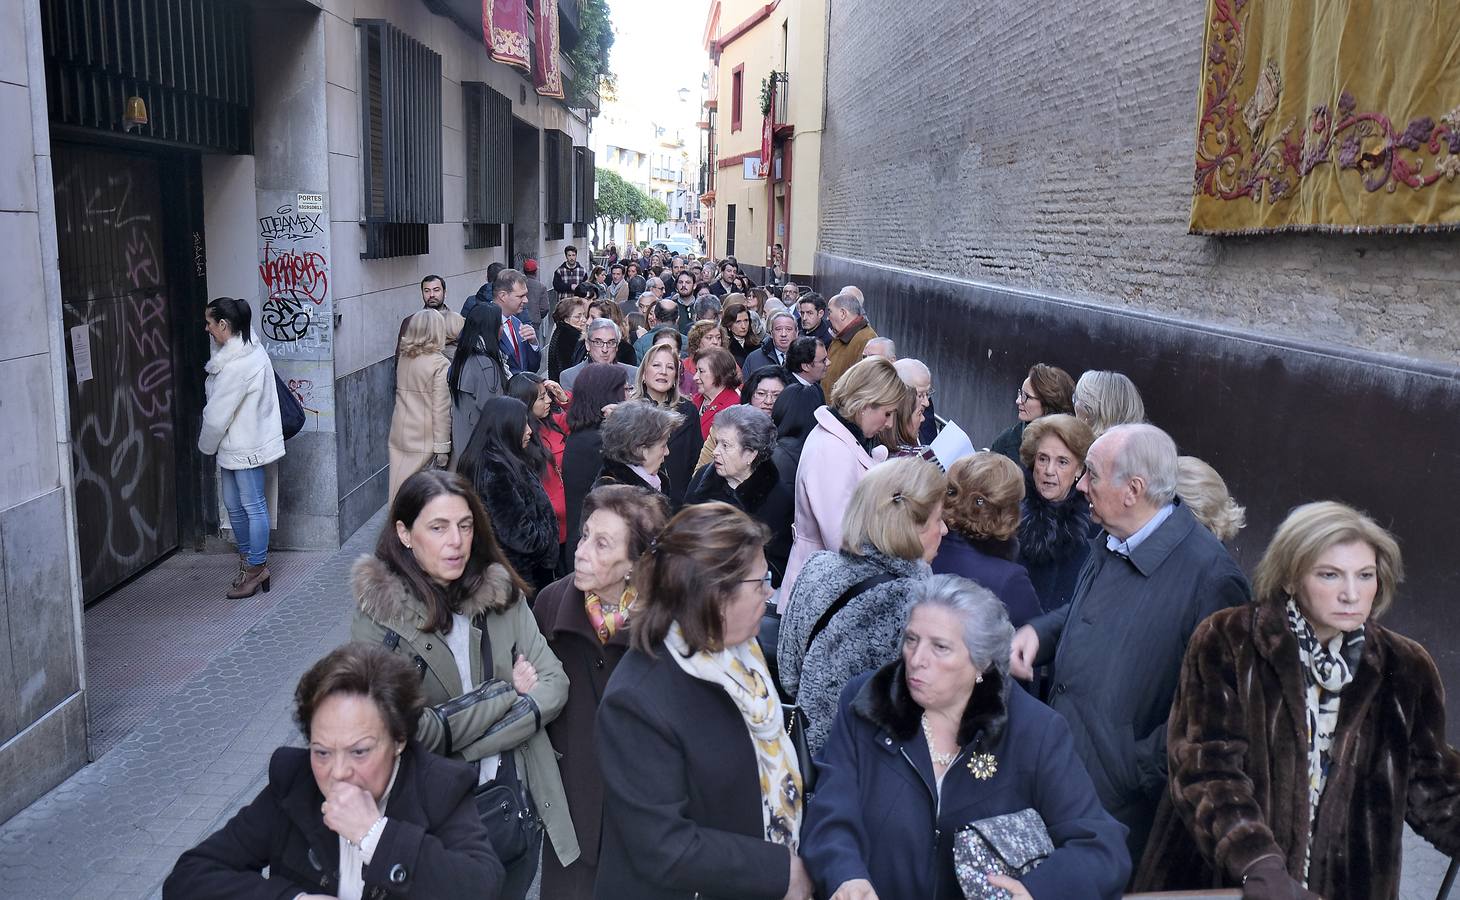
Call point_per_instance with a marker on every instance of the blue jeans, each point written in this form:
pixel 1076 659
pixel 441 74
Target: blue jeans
pixel 248 512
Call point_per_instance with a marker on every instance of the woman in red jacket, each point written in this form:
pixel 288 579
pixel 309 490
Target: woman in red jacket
pixel 717 384
pixel 545 401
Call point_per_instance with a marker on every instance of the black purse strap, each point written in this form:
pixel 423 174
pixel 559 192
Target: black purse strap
pixel 840 603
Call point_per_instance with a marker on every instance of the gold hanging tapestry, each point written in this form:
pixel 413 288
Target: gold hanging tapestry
pixel 1329 115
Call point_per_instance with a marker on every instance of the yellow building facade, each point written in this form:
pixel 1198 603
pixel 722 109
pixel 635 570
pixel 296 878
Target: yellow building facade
pixel 755 201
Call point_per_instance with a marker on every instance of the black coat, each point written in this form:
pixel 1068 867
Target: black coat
pixel 764 496
pixel 1054 542
pixel 1117 649
pixel 1009 440
pixel 433 844
pixel 588 663
pixel 991 564
pixel 874 815
pixel 565 350
pixel 522 520
pixel 614 472
pixel 684 451
pixel 582 458
pixel 682 813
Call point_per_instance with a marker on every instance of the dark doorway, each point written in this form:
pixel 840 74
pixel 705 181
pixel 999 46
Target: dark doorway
pixel 125 342
pixel 523 236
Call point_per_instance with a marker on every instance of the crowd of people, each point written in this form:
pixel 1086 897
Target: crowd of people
pixel 674 600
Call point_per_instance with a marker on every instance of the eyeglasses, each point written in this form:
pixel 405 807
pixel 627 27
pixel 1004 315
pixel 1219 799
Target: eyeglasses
pixel 928 394
pixel 603 345
pixel 764 579
pixel 1025 398
pixel 763 394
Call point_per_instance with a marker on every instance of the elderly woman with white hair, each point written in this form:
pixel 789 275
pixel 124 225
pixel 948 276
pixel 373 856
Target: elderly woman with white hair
pixel 938 740
pixel 744 475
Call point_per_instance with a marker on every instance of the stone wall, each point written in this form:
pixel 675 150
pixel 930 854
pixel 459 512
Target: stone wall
pixel 1052 151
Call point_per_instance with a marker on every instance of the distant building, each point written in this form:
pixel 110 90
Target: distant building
pixel 764 58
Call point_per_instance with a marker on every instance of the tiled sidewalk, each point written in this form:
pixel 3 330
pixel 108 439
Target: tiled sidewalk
pixel 114 829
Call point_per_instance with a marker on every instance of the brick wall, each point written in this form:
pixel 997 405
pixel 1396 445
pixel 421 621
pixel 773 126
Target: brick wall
pixel 1051 149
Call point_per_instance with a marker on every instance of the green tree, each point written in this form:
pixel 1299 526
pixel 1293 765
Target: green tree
pixel 612 203
pixel 656 210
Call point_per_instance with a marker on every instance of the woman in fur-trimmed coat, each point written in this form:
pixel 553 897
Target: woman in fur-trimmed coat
pixel 1304 735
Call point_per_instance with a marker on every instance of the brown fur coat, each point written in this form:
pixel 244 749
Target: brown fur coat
pixel 1238 747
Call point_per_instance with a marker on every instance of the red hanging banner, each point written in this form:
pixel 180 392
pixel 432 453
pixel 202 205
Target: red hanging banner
pixel 504 31
pixel 766 132
pixel 545 72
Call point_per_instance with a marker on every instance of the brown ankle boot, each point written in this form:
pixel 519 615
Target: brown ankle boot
pixel 254 577
pixel 242 565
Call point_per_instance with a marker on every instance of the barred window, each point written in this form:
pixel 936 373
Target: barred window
pixel 583 176
pixel 559 152
pixel 400 152
pixel 487 124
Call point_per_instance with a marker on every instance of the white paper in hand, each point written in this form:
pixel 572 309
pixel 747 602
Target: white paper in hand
pixel 951 445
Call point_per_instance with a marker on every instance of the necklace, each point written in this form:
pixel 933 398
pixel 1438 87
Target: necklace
pixel 939 759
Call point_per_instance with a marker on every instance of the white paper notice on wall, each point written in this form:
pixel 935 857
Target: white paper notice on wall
pixel 309 203
pixel 81 352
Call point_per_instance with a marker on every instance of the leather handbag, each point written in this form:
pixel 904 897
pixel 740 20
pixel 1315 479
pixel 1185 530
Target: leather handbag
pixel 796 725
pixel 507 813
pixel 1012 844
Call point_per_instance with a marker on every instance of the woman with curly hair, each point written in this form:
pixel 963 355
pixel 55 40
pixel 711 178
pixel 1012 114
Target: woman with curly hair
pixel 1203 490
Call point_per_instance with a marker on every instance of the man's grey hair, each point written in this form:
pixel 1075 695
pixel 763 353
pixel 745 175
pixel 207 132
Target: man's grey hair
pixel 987 631
pixel 653 280
pixel 908 367
pixel 780 314
pixel 849 303
pixel 708 309
pixel 878 345
pixel 649 295
pixel 634 427
pixel 1147 452
pixel 791 286
pixel 754 427
pixel 604 325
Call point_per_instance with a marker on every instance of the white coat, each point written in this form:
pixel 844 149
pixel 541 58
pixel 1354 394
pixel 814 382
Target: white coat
pixel 241 417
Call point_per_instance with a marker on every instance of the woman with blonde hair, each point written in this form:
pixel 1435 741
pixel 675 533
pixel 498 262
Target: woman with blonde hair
pixel 657 382
pixel 982 514
pixel 1304 734
pixel 420 426
pixel 1202 489
pixel 841 449
pixel 843 614
pixel 1104 400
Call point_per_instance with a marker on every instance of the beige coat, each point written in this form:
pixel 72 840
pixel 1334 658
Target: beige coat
pixel 420 427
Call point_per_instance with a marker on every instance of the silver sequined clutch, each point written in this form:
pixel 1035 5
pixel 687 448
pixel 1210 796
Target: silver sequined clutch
pixel 1011 844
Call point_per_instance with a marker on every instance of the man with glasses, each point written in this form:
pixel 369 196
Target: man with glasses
pixel 916 375
pixel 601 339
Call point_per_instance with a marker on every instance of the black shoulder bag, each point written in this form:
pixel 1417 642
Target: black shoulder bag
pixel 796 721
pixel 504 803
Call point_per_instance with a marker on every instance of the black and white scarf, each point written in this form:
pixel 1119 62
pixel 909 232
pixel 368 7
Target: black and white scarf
pixel 1327 669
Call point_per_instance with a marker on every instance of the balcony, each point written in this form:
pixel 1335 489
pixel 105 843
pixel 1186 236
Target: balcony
pixel 783 99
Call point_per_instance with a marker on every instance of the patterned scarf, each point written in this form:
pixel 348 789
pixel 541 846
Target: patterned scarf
pixel 742 672
pixel 607 623
pixel 1327 669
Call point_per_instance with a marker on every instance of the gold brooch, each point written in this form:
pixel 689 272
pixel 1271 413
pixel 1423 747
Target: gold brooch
pixel 983 766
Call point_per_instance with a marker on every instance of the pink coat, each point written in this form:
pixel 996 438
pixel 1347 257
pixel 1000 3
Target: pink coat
pixel 832 464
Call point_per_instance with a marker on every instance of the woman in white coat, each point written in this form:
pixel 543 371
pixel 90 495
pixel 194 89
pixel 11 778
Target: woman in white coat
pixel 838 452
pixel 241 427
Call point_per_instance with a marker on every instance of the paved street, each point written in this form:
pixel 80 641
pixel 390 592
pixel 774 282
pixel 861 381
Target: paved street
pixel 114 829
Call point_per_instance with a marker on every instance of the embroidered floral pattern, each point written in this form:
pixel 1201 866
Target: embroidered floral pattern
pixel 1242 152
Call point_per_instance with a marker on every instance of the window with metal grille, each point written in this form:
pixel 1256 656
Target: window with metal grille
pixel 730 230
pixel 583 175
pixel 487 126
pixel 400 147
pixel 559 152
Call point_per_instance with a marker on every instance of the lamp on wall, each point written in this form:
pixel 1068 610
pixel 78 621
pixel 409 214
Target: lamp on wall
pixel 135 114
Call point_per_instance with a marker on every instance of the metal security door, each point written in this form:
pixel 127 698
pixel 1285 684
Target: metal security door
pixel 109 226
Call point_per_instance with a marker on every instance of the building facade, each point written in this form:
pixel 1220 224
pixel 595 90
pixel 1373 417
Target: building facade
pixel 319 159
pixel 765 111
pixel 648 140
pixel 1016 189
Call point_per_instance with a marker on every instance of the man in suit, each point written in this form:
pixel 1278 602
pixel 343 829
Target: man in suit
pixel 772 352
pixel 846 312
pixel 602 337
pixel 1117 646
pixel 433 296
pixel 518 341
pixel 725 284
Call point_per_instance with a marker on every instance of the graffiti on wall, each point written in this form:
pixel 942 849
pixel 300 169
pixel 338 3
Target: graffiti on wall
pixel 294 274
pixel 296 304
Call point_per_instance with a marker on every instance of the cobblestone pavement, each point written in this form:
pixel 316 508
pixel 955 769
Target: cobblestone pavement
pixel 114 829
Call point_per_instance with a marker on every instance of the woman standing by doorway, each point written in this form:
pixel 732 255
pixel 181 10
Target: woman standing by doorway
pixel 241 427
